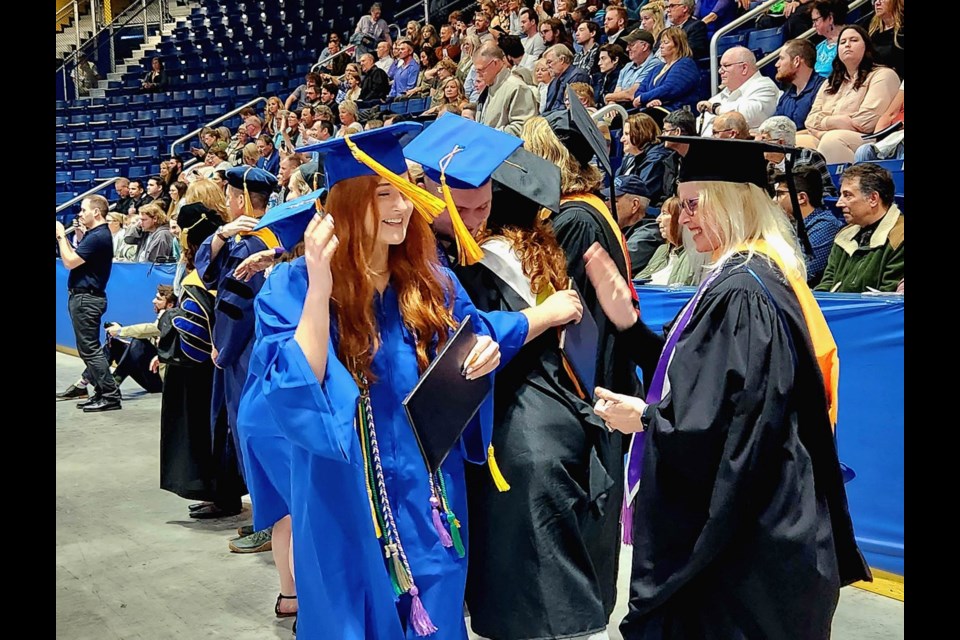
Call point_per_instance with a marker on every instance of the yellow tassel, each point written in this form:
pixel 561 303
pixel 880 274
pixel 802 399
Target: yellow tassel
pixel 426 203
pixel 246 194
pixel 468 251
pixel 498 480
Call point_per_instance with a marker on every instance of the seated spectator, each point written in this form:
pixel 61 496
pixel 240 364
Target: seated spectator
pixel 510 102
pixel 513 54
pixel 384 59
pixel 253 126
pixel 371 29
pixel 469 111
pixel 328 98
pixel 334 61
pixel 670 263
pixel 640 232
pixel 716 14
pixel 297 186
pixel 828 16
pixel 679 123
pixel 429 37
pixel 290 136
pixel 615 25
pixel 677 82
pixel 340 83
pixel 219 178
pixel 351 82
pixel 406 72
pixel 251 154
pixel 157 193
pixel 680 13
pixel 427 77
pixel 587 36
pixel 651 19
pixel 868 252
pixel 269 159
pixel 610 60
pixel 481 27
pixel 298 99
pixel 177 190
pixel 889 147
pixel 374 85
pixel 533 44
pixel 542 77
pixel 122 252
pixel 151 235
pixel 413 35
pixel 559 60
pixel 135 195
pixel 642 65
pixel 235 148
pixel 731 125
pixel 272 120
pixel 156 79
pixel 746 91
pixel 447 49
pixel 451 93
pixel 373 124
pixel 122 185
pixel 465 71
pixel 795 70
pixel 818 221
pixel 781 130
pixel 208 135
pixel 851 101
pixel 646 158
pixel 349 114
pixel 886 34
pixel 510 17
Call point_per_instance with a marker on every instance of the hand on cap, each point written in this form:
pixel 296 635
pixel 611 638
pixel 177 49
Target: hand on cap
pixel 619 412
pixel 484 358
pixel 320 243
pixel 243 223
pixel 613 292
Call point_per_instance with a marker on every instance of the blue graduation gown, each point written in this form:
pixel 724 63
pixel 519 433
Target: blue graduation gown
pixel 342 582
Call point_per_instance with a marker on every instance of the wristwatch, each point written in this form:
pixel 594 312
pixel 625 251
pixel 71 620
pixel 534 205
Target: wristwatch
pixel 646 416
pixel 219 234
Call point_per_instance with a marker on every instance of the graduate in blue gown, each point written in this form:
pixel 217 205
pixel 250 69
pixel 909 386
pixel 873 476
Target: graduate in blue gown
pixel 343 335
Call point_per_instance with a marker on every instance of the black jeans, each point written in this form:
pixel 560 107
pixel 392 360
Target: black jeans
pixel 86 311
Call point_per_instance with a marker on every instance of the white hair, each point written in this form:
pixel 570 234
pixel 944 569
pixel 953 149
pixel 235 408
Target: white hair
pixel 780 129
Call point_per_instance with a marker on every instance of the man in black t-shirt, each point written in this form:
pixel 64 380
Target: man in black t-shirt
pixel 89 267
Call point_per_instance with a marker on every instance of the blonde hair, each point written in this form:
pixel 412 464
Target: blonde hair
pixel 154 211
pixel 540 139
pixel 655 9
pixel 679 39
pixel 250 152
pixel 298 183
pixel 206 192
pixel 743 214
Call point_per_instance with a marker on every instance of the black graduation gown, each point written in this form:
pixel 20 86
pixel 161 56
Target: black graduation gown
pixel 538 552
pixel 741 526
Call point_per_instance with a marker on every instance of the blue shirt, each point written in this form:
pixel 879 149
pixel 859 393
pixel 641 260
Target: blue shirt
pixel 826 52
pixel 796 106
pixel 271 163
pixel 634 74
pixel 822 227
pixel 96 249
pixel 404 78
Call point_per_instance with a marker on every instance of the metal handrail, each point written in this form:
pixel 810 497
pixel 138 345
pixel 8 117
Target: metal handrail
pixel 66 8
pixel 773 55
pixel 100 187
pixel 111 26
pixel 349 49
pixel 724 30
pixel 226 116
pixel 601 114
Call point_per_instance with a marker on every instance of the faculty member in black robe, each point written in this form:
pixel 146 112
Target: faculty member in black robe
pixel 741 527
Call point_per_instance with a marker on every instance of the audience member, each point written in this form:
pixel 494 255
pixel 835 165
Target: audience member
pixel 851 101
pixel 155 79
pixel 298 99
pixel 586 37
pixel 795 69
pixel 651 19
pixel 746 91
pixel 828 17
pixel 384 59
pixel 510 102
pixel 642 65
pixel 151 235
pixel 269 159
pixel 533 45
pixel 731 125
pixel 680 13
pixel 559 60
pixel 646 158
pixel 677 82
pixel 406 71
pixel 781 130
pixel 670 263
pixel 867 254
pixel 886 34
pixel 889 147
pixel 615 25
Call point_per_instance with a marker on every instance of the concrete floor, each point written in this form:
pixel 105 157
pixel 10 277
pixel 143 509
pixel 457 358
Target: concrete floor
pixel 132 565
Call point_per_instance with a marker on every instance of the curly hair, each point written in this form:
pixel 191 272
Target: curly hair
pixel 541 257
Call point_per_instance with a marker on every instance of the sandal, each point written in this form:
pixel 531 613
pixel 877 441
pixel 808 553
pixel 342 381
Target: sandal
pixel 276 608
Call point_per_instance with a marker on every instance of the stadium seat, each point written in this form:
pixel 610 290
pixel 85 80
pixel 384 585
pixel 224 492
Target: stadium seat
pixel 765 40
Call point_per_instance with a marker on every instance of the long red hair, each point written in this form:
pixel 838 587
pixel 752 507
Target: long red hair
pixel 425 292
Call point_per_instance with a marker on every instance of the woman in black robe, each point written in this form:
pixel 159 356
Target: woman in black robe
pixel 741 527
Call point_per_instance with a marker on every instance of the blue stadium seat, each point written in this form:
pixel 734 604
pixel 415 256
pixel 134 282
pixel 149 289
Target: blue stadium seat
pixel 191 113
pixel 223 93
pixel 175 131
pixel 123 118
pixel 730 41
pixel 138 171
pixel 247 92
pixel 82 179
pixel 765 40
pixel 146 116
pixel 78 159
pixel 62 178
pixel 107 173
pixel 168 116
pixel 62 121
pixel 124 154
pixel 64 197
pixel 151 134
pixel 200 95
pixel 78 121
pixel 64 140
pixel 146 153
pixel 128 135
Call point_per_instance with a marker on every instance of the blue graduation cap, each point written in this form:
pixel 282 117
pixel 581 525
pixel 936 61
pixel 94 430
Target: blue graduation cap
pixel 375 152
pixel 289 220
pixel 461 154
pixel 252 179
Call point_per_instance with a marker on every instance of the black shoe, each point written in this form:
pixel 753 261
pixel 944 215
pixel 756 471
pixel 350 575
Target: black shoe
pixel 199 505
pixel 73 392
pixel 102 405
pixel 213 511
pixel 84 403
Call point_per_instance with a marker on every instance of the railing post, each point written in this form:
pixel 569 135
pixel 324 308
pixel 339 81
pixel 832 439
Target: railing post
pixel 93 15
pixel 113 59
pixel 426 11
pixel 144 3
pixel 76 22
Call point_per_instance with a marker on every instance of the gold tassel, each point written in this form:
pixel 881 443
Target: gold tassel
pixel 498 480
pixel 403 577
pixel 426 203
pixel 246 194
pixel 468 251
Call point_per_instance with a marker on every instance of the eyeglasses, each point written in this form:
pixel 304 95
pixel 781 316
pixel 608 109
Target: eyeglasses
pixel 781 192
pixel 672 5
pixel 720 132
pixel 729 64
pixel 690 206
pixel 672 131
pixel 483 70
pixel 818 19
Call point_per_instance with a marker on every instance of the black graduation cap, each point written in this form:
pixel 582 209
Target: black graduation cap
pixel 198 222
pixel 579 133
pixel 523 184
pixel 740 161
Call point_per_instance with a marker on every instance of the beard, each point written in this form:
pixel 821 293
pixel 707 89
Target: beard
pixel 786 76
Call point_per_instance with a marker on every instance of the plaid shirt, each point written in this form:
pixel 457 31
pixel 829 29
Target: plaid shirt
pixel 822 227
pixel 810 158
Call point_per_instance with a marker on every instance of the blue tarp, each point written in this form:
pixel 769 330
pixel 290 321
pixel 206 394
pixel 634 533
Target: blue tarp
pixel 869 334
